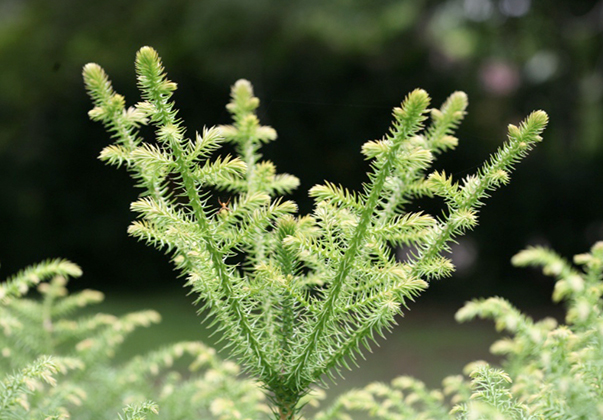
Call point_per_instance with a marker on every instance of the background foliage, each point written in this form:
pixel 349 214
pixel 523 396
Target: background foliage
pixel 328 73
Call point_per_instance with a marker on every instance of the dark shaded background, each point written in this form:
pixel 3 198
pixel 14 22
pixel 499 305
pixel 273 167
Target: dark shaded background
pixel 328 74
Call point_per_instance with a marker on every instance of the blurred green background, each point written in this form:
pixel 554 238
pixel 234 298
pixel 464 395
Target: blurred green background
pixel 328 74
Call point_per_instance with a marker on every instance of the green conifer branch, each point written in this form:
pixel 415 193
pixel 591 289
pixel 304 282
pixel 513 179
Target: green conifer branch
pixel 444 121
pixel 156 91
pixel 506 316
pixel 408 121
pixel 19 284
pixel 104 343
pixel 74 301
pixel 406 399
pixel 463 204
pixel 15 388
pixel 491 397
pixel 85 327
pixel 260 179
pixel 311 291
pixel 569 280
pixel 409 181
pixel 110 110
pixel 139 411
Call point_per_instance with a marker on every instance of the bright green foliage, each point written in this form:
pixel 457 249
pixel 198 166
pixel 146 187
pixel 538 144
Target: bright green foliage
pixel 557 370
pixel 551 371
pixel 486 396
pixel 491 397
pixel 35 328
pixel 19 284
pixel 139 412
pixel 56 364
pixel 295 297
pixel 405 398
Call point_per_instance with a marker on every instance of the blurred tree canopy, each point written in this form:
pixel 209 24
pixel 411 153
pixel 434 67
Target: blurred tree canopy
pixel 328 74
